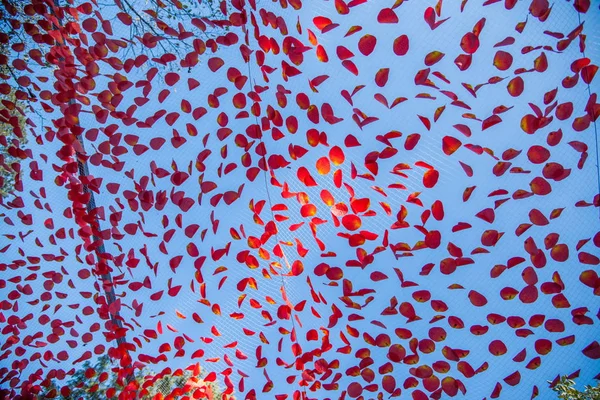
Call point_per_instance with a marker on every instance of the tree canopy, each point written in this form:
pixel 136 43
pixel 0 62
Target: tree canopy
pixel 13 132
pixel 98 381
pixel 566 390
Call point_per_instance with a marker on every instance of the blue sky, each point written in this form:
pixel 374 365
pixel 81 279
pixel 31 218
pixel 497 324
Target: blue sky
pixel 574 223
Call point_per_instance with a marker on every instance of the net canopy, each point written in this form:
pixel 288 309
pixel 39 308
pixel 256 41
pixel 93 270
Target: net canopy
pixel 299 199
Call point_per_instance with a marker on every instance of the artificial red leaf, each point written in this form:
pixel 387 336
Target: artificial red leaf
pixel 401 45
pixel 366 44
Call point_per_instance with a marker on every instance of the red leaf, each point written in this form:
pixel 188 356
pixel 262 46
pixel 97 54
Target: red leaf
pixel 450 145
pixel 433 58
pixel 469 43
pixel 538 154
pixel 540 186
pixel 321 22
pixel 336 155
pixel 351 222
pixel 343 53
pixel 215 63
pixel 355 389
pixel 171 78
pixel 381 77
pixel 503 60
pixel 387 16
pixel 588 73
pixel 592 350
pixel 477 299
pixel 401 45
pixel 430 178
pixel 366 44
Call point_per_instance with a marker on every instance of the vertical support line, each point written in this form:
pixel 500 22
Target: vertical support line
pixel 589 90
pixel 100 250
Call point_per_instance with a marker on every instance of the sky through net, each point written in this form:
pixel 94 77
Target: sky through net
pixel 299 199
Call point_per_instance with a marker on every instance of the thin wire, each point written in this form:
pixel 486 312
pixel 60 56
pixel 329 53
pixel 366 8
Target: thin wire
pixel 272 214
pixel 595 127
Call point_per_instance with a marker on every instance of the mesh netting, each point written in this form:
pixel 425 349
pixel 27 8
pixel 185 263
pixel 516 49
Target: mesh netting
pixel 298 199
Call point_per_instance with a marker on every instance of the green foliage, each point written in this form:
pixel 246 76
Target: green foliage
pixel 566 391
pixel 12 116
pixel 12 128
pixel 95 382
